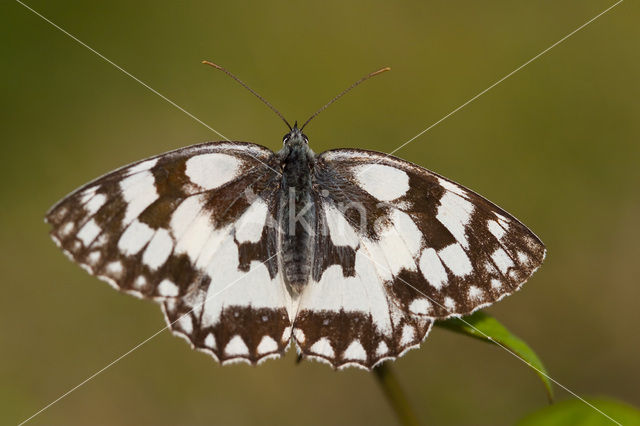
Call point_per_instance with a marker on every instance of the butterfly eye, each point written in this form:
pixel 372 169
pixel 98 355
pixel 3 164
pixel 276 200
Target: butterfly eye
pixel 285 138
pixel 306 139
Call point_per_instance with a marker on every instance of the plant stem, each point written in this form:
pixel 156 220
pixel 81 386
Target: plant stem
pixel 394 393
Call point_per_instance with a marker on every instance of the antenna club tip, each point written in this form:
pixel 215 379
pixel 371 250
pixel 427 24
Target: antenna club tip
pixel 211 64
pixel 380 71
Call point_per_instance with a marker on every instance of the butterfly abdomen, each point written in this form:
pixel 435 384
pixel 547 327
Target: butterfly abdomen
pixel 297 216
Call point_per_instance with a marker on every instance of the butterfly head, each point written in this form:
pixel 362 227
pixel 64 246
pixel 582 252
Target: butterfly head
pixel 295 137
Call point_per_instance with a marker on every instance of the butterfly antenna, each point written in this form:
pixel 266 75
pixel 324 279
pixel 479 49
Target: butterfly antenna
pixel 344 92
pixel 243 84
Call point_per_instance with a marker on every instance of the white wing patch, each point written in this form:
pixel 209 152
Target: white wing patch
pixel 408 334
pixel 250 225
pixel 455 213
pixel 229 286
pixel 139 191
pixel 502 260
pixel 135 237
pixel 236 346
pixel 323 347
pixel 420 306
pixel 495 229
pixel 88 232
pixel 399 242
pixel 355 351
pixel 95 203
pixel 382 349
pixel 383 182
pixel 340 231
pixel 158 250
pixel 142 166
pixel 214 241
pixel 432 268
pixel 210 171
pixel 191 225
pixel 363 293
pixel 167 288
pixel 456 259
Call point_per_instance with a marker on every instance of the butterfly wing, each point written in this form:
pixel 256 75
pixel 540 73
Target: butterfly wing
pixel 189 229
pixel 401 246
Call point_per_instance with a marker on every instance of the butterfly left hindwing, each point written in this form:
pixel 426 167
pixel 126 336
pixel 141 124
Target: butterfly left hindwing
pixel 346 315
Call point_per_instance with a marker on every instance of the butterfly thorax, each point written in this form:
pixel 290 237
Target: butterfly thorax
pixel 297 211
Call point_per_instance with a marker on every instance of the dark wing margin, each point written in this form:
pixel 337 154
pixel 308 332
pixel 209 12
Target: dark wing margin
pixel 160 228
pixel 442 249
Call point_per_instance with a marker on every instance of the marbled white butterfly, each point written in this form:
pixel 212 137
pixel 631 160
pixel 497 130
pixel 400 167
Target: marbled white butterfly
pixel 351 254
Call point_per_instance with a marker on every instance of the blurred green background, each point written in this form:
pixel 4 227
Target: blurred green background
pixel 557 145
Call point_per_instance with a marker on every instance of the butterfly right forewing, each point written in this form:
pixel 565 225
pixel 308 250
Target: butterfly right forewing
pixel 179 228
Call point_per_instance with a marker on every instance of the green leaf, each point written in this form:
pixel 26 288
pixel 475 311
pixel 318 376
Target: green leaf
pixel 486 328
pixel 576 413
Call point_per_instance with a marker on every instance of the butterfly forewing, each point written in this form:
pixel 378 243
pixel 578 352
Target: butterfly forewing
pixel 440 249
pixel 180 228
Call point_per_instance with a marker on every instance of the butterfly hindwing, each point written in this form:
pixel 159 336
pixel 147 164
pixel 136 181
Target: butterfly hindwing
pixel 440 249
pixel 346 316
pixel 236 312
pixel 179 228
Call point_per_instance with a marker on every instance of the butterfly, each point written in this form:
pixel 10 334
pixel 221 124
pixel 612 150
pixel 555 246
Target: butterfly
pixel 350 254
